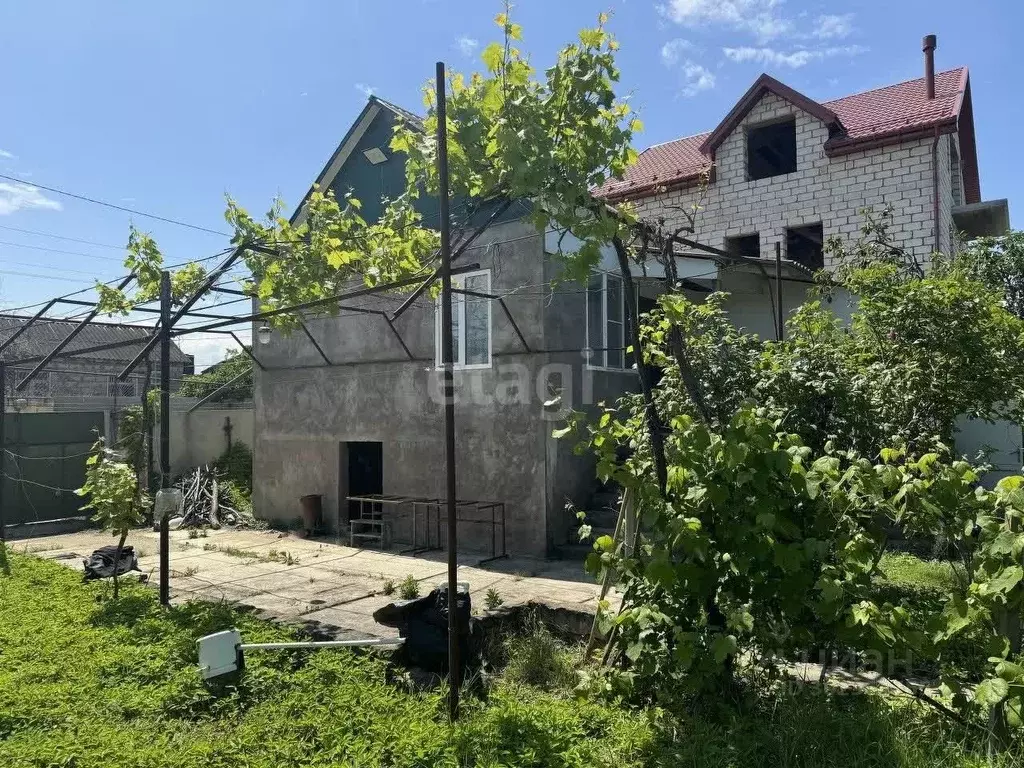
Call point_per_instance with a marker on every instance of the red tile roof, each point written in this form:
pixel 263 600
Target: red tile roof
pixel 882 116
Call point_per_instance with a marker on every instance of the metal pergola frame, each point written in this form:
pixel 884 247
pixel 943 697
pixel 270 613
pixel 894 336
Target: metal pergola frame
pixel 163 331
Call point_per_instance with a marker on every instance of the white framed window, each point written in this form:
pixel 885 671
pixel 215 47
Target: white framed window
pixel 606 336
pixel 471 322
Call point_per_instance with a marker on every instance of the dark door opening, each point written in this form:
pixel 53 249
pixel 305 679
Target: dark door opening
pixel 365 476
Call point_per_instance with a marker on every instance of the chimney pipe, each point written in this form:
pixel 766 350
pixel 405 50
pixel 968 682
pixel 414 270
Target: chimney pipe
pixel 928 46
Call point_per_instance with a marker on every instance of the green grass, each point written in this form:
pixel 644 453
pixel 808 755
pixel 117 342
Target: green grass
pixel 905 569
pixel 89 683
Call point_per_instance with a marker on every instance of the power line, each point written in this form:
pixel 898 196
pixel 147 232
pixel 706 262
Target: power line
pixel 62 237
pixel 132 211
pixel 57 250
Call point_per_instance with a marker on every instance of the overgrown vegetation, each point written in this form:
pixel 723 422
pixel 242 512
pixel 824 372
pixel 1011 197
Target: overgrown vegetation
pixel 84 679
pixel 235 464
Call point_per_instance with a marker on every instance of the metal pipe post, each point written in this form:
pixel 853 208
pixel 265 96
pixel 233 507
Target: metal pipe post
pixel 165 432
pixel 778 291
pixel 447 360
pixel 147 429
pixel 3 445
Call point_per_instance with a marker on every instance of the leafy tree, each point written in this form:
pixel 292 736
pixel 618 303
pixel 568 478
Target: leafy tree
pixel 999 263
pixel 234 365
pixel 113 493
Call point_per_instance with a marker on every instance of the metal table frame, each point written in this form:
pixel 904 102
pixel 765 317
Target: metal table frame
pixel 473 512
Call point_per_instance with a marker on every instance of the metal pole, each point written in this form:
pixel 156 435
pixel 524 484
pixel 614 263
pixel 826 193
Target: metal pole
pixel 147 430
pixel 449 395
pixel 3 444
pixel 165 433
pixel 778 290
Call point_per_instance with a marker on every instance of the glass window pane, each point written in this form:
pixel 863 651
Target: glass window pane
pixel 615 352
pixel 595 318
pixel 477 321
pixel 614 294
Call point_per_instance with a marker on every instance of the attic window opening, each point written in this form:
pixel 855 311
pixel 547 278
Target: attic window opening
pixel 805 245
pixel 746 246
pixel 375 155
pixel 771 150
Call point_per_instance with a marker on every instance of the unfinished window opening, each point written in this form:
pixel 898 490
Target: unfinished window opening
pixel 771 150
pixel 471 322
pixel 804 245
pixel 605 321
pixel 745 246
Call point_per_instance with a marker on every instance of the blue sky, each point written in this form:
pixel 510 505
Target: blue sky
pixel 165 107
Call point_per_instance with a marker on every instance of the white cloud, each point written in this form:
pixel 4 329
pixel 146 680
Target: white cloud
pixel 762 18
pixel 672 51
pixel 7 155
pixel 366 90
pixel 833 26
pixel 696 79
pixel 467 45
pixel 206 351
pixel 793 59
pixel 18 197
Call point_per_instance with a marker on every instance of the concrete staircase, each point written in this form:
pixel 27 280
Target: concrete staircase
pixel 602 511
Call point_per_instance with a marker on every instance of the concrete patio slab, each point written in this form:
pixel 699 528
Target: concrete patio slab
pixel 298 580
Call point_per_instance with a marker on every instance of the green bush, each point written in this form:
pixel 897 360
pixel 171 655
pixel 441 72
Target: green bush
pixel 235 465
pixel 409 589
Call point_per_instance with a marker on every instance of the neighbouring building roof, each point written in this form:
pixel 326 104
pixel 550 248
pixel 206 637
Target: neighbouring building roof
pixel 874 118
pixel 44 335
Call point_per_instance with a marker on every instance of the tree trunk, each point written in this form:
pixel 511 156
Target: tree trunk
pixel 654 426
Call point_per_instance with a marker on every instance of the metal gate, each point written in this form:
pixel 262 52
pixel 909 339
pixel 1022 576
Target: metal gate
pixel 45 462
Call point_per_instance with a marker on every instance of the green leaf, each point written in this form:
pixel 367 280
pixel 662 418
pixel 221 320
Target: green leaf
pixel 1006 579
pixel 723 647
pixel 660 571
pixel 992 691
pixel 604 543
pixel 492 56
pixel 559 433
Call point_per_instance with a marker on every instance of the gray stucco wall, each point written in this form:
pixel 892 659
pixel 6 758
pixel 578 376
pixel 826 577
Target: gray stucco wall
pixel 306 411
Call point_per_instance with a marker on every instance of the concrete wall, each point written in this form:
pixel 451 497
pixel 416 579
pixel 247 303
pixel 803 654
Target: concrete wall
pixel 822 189
pixel 306 411
pixel 198 438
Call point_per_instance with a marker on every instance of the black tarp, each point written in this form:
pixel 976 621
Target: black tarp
pixel 100 564
pixel 423 623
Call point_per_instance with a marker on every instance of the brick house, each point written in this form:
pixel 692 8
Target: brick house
pixel 358 411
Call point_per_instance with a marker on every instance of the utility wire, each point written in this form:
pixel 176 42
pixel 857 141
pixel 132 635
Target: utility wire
pixel 62 237
pixel 57 250
pixel 132 211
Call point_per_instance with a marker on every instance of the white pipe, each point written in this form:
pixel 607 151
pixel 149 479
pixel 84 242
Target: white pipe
pixel 322 644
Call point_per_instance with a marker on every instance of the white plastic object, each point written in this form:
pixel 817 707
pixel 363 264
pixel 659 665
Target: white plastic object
pixel 168 501
pixel 221 652
pixel 218 653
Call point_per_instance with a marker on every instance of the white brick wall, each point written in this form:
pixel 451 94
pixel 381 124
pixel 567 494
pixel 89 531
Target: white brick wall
pixel 822 189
